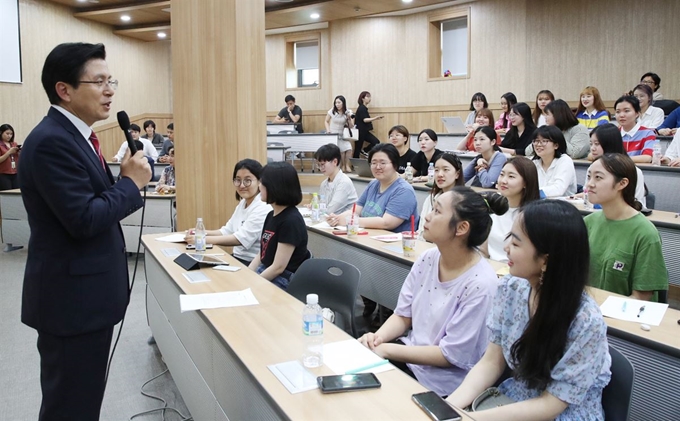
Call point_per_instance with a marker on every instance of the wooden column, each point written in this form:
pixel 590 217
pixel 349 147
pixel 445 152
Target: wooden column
pixel 218 75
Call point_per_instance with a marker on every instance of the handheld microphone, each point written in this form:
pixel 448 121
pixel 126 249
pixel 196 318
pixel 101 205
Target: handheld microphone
pixel 124 123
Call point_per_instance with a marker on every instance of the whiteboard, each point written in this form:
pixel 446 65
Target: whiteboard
pixel 10 46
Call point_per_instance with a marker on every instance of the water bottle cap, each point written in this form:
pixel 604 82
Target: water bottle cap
pixel 199 219
pixel 312 299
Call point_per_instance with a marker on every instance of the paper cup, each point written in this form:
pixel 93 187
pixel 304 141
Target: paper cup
pixel 352 230
pixel 408 243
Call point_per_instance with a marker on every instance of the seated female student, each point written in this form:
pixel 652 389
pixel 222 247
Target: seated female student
pixel 650 116
pixel 521 132
pixel 672 155
pixel 543 98
pixel 283 242
pixel 502 125
pixel 607 139
pixel 438 323
pixel 591 111
pixel 338 190
pixel 543 325
pixel 388 201
pixel 638 141
pixel 483 170
pixel 427 141
pixel 558 114
pixel 484 118
pixel 556 172
pixel 625 247
pixel 166 184
pixel 399 137
pixel 518 182
pixel 244 228
pixel 477 103
pixel 448 173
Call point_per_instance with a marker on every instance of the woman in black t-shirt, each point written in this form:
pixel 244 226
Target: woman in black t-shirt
pixel 399 137
pixel 364 124
pixel 283 243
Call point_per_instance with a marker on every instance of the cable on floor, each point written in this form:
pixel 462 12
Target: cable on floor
pixel 162 409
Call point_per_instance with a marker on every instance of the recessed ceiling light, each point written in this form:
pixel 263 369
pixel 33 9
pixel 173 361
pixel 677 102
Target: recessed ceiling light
pixel 125 18
pixel 314 16
pixel 406 1
pixel 162 35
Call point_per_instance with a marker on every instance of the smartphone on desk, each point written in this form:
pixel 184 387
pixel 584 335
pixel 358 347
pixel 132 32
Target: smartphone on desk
pixel 435 407
pixel 347 382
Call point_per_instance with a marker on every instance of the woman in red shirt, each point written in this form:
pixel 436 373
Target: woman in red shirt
pixel 9 158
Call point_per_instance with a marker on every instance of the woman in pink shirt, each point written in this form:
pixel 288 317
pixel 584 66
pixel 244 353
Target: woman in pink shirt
pixel 437 332
pixel 503 123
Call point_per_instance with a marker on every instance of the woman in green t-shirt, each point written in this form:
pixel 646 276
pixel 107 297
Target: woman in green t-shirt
pixel 625 248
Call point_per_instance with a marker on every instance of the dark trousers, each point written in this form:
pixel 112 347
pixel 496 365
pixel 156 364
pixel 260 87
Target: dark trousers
pixel 364 136
pixel 9 182
pixel 72 375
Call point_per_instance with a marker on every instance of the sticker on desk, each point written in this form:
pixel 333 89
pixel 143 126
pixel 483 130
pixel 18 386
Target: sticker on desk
pixel 195 277
pixel 171 252
pixel 387 238
pixel 294 376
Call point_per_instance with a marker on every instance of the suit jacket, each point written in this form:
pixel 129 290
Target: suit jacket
pixel 76 278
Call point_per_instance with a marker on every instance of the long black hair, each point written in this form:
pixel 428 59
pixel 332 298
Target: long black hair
pixel 556 229
pixel 468 205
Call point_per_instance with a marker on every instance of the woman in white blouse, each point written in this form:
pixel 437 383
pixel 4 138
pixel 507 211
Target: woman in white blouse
pixel 556 172
pixel 244 228
pixel 337 119
pixel 651 117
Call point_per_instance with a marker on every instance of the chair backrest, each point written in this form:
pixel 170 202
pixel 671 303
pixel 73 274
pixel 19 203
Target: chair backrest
pixel 667 105
pixel 616 396
pixel 336 283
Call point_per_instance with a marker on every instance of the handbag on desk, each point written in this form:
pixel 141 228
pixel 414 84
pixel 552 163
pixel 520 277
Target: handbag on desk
pixel 490 398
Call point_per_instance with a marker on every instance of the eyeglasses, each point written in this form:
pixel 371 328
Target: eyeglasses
pixel 113 84
pixel 381 164
pixel 540 141
pixel 648 82
pixel 247 182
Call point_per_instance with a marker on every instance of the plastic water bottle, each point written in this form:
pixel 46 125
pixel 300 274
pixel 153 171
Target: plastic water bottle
pixel 409 173
pixel 656 156
pixel 312 327
pixel 430 173
pixel 586 203
pixel 322 206
pixel 316 216
pixel 199 235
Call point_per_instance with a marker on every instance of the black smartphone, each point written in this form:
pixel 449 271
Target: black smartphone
pixel 347 382
pixel 435 407
pixel 193 247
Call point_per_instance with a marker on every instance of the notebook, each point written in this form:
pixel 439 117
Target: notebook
pixel 361 167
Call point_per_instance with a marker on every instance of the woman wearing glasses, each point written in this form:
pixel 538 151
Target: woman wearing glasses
pixel 556 172
pixel 244 228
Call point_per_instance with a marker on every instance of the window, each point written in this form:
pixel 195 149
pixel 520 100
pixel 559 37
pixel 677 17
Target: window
pixel 303 61
pixel 449 44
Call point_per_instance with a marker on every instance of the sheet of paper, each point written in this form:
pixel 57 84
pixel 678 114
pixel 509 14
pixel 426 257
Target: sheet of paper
pixel 399 249
pixel 195 277
pixel 624 308
pixel 171 252
pixel 344 356
pixel 305 211
pixel 217 300
pixel 294 376
pixel 177 237
pixel 387 238
pixel 323 225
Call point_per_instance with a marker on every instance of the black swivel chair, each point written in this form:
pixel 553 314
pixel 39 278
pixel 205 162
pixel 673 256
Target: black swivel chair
pixel 617 395
pixel 336 283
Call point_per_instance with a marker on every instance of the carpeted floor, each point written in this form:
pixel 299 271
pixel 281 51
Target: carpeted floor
pixel 134 362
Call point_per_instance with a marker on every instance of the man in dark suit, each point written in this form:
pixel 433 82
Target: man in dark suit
pixel 76 279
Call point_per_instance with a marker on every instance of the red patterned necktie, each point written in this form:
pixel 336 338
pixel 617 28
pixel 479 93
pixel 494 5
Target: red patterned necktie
pixel 95 143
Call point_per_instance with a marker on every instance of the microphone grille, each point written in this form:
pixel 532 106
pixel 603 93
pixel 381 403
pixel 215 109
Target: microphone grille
pixel 123 120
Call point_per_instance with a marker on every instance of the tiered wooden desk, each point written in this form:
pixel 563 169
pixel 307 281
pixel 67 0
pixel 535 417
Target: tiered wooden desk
pixel 655 354
pixel 218 358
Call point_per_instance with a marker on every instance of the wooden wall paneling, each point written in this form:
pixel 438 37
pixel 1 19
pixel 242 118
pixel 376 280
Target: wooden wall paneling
pixel 111 136
pixel 142 69
pixel 218 59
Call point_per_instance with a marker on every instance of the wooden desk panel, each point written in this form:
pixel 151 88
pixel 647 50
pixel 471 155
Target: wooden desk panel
pixel 219 357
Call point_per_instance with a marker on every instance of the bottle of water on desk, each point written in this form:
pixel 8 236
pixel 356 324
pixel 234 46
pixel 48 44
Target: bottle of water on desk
pixel 656 155
pixel 322 207
pixel 312 328
pixel 430 174
pixel 409 173
pixel 586 203
pixel 316 214
pixel 199 235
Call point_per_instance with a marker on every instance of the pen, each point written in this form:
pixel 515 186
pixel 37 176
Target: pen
pixel 623 307
pixel 367 367
pixel 641 310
